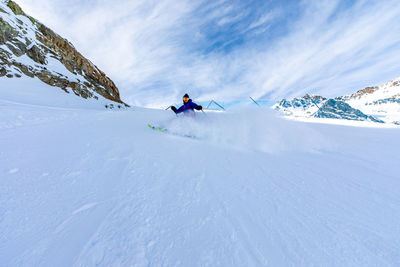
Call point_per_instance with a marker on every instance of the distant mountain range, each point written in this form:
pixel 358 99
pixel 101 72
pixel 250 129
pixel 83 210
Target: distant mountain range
pixel 29 48
pixel 380 104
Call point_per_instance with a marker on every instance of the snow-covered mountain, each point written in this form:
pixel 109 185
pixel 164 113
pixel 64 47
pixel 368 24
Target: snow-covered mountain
pixel 321 107
pixel 376 104
pixel 30 49
pixel 305 106
pixel 381 101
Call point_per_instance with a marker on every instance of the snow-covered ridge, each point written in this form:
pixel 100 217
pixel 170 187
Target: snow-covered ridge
pixel 29 48
pixel 388 90
pixel 381 101
pixel 376 103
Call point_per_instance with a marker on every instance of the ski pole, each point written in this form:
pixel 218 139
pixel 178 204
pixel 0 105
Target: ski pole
pixel 317 107
pixel 254 101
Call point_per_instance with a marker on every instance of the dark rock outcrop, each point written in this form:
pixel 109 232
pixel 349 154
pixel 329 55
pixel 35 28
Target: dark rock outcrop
pixel 359 93
pixel 335 109
pixel 303 102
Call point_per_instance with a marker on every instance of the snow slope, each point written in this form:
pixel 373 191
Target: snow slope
pixel 383 101
pixel 31 91
pixel 94 187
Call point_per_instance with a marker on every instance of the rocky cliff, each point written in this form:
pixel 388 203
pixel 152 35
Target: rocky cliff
pixel 299 107
pixel 27 47
pixel 336 109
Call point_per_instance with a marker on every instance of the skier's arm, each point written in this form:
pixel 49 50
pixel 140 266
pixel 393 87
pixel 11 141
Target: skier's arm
pixel 196 107
pixel 179 110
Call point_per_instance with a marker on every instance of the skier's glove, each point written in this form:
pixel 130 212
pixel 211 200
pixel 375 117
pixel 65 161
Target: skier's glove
pixel 173 109
pixel 199 107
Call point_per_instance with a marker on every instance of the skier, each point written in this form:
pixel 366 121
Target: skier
pixel 188 106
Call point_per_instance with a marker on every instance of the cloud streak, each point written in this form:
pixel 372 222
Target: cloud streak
pixel 227 50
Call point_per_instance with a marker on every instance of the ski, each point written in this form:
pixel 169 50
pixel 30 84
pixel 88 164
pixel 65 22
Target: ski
pixel 164 130
pixel 160 129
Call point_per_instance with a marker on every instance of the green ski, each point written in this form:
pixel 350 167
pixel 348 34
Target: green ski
pixel 160 129
pixel 164 130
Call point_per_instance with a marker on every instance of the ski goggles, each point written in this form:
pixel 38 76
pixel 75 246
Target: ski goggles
pixel 186 99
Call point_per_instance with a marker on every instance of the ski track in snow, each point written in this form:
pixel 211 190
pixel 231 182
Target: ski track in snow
pixel 98 188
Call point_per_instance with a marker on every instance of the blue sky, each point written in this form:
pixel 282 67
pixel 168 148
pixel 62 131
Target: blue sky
pixel 156 51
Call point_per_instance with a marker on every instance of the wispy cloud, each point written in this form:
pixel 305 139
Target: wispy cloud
pixel 157 50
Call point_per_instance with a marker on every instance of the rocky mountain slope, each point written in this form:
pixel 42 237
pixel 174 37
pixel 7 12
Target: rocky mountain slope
pixel 382 101
pixel 305 106
pixel 29 48
pixel 376 104
pixel 335 109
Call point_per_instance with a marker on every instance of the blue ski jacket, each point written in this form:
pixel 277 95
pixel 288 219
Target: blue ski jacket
pixel 189 106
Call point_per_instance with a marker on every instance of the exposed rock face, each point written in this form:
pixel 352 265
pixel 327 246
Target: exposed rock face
pixel 303 105
pixel 370 103
pixel 365 91
pixel 29 48
pixel 303 102
pixel 394 99
pixel 335 109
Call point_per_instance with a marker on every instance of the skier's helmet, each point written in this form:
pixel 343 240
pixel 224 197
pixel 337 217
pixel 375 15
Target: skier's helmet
pixel 185 98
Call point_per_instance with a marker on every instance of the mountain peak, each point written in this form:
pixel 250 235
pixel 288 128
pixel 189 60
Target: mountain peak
pixel 313 97
pixel 27 47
